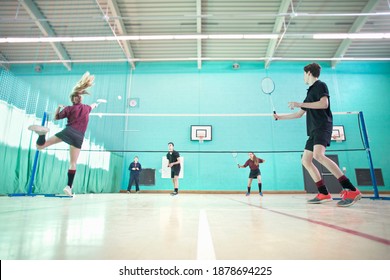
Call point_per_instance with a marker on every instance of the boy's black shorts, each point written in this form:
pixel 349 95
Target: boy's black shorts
pixel 318 137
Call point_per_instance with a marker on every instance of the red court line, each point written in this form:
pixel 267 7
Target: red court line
pixel 342 229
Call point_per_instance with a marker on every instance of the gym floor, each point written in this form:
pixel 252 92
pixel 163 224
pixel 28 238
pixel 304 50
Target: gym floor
pixel 149 226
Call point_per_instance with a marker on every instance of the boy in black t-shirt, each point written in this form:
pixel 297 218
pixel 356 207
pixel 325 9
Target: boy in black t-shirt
pixel 319 124
pixel 174 163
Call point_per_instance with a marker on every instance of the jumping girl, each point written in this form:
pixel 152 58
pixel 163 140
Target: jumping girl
pixel 78 117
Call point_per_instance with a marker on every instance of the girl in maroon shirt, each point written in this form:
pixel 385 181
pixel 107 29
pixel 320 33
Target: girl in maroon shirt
pixel 73 134
pixel 253 162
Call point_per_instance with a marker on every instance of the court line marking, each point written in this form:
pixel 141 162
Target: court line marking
pixel 335 227
pixel 205 248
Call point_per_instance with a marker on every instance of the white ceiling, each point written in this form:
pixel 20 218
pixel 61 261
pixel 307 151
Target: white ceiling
pixel 294 22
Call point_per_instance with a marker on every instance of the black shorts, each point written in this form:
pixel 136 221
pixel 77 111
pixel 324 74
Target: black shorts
pixel 318 137
pixel 254 173
pixel 175 171
pixel 71 136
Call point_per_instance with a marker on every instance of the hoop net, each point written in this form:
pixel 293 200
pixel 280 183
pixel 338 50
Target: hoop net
pixel 201 138
pixel 338 138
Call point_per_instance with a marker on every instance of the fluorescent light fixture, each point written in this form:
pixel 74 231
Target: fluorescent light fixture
pixel 58 39
pixel 190 37
pixel 351 36
pixel 261 36
pixel 367 36
pixel 330 36
pixel 128 38
pixel 90 39
pixel 156 37
pixel 136 38
pixel 227 36
pixel 22 40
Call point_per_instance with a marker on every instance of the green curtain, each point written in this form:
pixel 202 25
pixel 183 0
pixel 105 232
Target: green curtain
pixel 97 172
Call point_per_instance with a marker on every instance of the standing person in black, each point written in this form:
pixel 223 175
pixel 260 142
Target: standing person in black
pixel 319 123
pixel 135 168
pixel 174 163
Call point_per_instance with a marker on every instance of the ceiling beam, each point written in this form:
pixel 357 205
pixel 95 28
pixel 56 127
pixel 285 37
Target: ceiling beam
pixel 279 22
pixel 199 31
pixel 121 29
pixel 46 30
pixel 356 26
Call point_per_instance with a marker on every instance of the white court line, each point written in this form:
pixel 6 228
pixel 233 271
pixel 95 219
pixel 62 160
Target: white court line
pixel 205 249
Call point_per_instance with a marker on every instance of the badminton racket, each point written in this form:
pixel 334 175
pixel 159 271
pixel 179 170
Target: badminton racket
pixel 268 87
pixel 234 155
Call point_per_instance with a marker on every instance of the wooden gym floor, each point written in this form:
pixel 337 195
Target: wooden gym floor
pixel 192 227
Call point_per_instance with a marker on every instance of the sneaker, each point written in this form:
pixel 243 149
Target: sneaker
pixel 320 198
pixel 68 191
pixel 137 191
pixel 261 193
pixel 349 198
pixel 174 193
pixel 40 130
pixel 248 194
pixel 128 191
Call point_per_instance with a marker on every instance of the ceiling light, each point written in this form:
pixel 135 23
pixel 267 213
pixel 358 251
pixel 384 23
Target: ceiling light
pixel 261 36
pixel 330 36
pixel 128 38
pixel 156 37
pixel 351 36
pixel 88 39
pixel 227 36
pixel 366 36
pixel 189 37
pixel 22 40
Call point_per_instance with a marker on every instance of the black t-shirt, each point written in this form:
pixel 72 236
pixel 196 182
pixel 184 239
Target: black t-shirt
pixel 318 119
pixel 172 157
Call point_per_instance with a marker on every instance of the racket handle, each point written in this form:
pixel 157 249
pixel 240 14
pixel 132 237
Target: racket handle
pixel 275 114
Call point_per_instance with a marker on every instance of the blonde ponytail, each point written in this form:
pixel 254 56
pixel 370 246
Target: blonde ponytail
pixel 85 82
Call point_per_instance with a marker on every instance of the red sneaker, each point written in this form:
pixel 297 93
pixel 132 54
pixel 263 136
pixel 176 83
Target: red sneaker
pixel 320 198
pixel 349 198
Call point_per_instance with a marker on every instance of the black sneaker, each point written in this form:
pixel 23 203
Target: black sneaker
pixel 174 193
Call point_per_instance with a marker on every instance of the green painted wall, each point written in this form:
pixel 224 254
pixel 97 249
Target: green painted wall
pixel 180 88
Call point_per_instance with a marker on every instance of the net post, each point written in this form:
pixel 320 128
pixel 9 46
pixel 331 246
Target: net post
pixel 368 151
pixel 34 168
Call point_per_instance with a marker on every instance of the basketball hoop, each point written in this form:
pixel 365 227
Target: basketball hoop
pixel 338 138
pixel 201 138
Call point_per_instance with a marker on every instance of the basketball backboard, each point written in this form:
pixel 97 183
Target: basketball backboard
pixel 338 133
pixel 201 132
